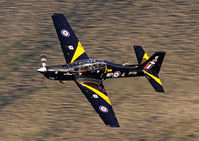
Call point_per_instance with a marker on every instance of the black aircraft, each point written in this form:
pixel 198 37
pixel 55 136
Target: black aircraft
pixel 89 74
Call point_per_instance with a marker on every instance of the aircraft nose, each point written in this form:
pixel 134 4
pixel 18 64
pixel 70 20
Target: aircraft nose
pixel 41 70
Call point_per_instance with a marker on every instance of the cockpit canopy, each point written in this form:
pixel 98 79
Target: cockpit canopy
pixel 84 65
pixel 79 66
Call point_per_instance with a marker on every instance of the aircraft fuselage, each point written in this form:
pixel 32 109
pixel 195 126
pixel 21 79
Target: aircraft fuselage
pixel 101 69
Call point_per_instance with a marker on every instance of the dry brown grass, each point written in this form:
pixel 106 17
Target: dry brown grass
pixel 33 108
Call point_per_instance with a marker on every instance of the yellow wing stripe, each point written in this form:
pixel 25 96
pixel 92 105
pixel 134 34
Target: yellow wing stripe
pixel 155 78
pixel 98 92
pixel 79 51
pixel 145 57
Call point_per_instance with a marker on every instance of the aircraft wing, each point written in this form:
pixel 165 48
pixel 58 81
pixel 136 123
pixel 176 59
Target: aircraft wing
pixel 94 91
pixel 70 45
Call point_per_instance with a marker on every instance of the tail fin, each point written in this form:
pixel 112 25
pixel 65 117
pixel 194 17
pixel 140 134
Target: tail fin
pixel 151 69
pixel 140 54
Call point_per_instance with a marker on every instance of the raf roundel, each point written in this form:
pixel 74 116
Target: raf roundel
pixel 65 33
pixel 116 74
pixel 103 109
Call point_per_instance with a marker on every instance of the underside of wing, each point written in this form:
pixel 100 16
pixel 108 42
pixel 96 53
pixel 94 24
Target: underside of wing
pixel 70 44
pixel 94 91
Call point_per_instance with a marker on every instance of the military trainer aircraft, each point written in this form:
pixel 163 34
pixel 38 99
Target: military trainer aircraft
pixel 89 74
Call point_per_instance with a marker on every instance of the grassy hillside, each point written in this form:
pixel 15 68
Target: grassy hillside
pixel 34 108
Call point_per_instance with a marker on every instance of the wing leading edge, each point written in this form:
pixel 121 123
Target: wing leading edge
pixel 95 93
pixel 70 44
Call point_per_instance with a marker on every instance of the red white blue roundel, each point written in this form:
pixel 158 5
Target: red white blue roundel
pixel 65 33
pixel 116 74
pixel 103 109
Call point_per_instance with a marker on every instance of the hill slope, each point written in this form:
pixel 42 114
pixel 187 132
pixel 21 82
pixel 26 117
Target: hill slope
pixel 33 108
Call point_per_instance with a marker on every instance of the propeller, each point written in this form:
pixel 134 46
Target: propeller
pixel 43 60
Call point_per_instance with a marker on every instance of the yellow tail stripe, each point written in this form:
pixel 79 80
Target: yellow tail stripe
pixel 79 51
pixel 155 78
pixel 145 58
pixel 98 92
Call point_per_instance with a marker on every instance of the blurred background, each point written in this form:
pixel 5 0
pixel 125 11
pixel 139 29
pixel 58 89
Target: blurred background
pixel 34 108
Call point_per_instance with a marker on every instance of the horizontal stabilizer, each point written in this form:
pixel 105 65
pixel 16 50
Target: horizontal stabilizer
pixel 140 54
pixel 155 82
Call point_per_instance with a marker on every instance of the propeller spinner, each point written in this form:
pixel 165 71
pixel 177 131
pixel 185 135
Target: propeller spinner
pixel 43 64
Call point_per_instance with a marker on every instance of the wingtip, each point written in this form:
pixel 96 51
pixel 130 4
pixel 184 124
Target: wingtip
pixel 135 46
pixel 56 14
pixel 113 125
